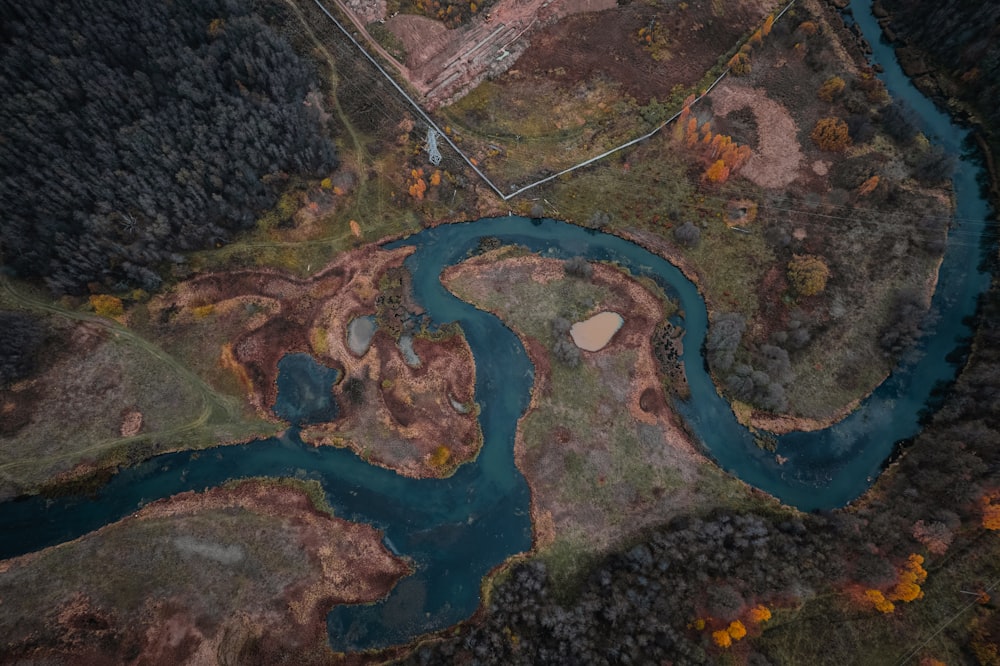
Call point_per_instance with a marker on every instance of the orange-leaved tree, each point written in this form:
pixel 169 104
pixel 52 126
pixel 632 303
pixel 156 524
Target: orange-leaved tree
pixel 881 604
pixel 722 638
pixel 831 134
pixel 991 511
pixel 736 630
pixel 760 613
pixel 717 173
pixel 868 186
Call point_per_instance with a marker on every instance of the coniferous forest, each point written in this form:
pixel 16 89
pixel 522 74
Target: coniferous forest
pixel 134 131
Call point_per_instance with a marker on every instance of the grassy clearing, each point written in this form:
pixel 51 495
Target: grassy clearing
pixel 104 372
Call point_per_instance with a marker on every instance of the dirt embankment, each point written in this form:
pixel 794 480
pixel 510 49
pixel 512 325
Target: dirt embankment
pixel 417 420
pixel 240 574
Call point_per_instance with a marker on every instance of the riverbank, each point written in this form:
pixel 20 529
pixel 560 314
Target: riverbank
pixel 246 569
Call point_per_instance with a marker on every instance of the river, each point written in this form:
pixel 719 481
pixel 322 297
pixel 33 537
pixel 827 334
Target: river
pixel 457 529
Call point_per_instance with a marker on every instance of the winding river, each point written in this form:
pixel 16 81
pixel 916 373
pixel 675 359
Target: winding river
pixel 455 530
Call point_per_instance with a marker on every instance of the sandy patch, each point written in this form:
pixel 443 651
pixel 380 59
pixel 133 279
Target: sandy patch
pixel 595 333
pixel 775 164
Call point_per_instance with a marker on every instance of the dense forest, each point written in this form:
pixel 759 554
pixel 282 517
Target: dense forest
pixel 131 132
pixel 962 40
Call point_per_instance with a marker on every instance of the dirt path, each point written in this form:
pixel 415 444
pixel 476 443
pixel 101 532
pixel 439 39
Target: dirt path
pixel 215 406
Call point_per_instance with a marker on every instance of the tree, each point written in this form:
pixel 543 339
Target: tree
pixel 831 134
pixel 717 173
pixel 808 274
pixel 899 122
pixel 831 88
pixel 736 630
pixel 578 267
pixel 722 638
pixel 687 234
pixel 878 599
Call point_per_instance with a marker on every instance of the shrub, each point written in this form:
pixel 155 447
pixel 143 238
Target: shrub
pixel 898 122
pixel 723 338
pixel 808 274
pixel 354 390
pixel 831 134
pixel 106 305
pixel 687 234
pixel 904 327
pixel 860 128
pixel 578 267
pixel 831 88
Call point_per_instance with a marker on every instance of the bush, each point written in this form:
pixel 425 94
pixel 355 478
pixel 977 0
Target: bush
pixel 578 267
pixel 687 234
pixel 724 338
pixel 860 128
pixel 831 89
pixel 354 391
pixel 899 122
pixel 831 134
pixel 905 321
pixel 808 274
pixel 933 166
pixel 563 348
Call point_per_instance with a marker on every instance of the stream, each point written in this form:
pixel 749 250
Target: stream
pixel 456 530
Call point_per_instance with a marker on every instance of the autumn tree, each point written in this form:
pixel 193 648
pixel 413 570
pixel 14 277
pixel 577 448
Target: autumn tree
pixel 878 599
pixel 740 64
pixel 831 89
pixel 717 173
pixel 760 614
pixel 991 511
pixel 106 305
pixel 808 274
pixel 831 134
pixel 736 630
pixel 722 638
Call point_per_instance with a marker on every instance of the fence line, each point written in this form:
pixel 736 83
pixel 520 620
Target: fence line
pixel 506 197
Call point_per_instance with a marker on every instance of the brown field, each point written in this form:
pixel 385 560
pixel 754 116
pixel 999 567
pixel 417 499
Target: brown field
pixel 244 572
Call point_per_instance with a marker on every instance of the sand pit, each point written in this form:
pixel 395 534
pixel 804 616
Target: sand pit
pixel 595 333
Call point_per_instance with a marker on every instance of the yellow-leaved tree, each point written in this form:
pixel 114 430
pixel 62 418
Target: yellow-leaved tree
pixel 808 274
pixel 831 134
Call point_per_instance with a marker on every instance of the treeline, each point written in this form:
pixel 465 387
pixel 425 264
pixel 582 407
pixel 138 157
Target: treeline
pixel 669 597
pixel 961 38
pixel 130 132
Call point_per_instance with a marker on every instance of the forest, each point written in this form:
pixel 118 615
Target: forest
pixel 961 45
pixel 134 132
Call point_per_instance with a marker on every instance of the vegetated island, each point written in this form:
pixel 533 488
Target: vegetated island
pixel 405 396
pixel 602 450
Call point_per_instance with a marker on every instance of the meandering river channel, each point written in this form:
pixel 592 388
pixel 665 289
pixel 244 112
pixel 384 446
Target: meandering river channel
pixel 455 530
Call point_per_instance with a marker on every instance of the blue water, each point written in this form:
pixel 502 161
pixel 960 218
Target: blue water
pixel 305 390
pixel 455 530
